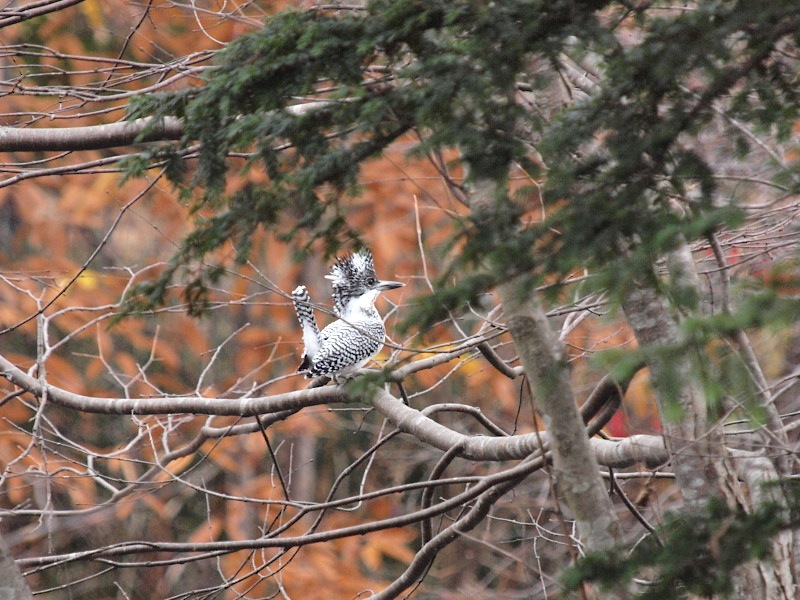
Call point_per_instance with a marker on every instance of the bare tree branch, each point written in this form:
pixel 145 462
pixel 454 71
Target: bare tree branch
pixel 405 418
pixel 91 137
pixel 33 10
pixel 110 135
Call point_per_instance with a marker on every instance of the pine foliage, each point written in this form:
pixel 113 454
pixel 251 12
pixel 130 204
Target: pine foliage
pixel 450 73
pixel 691 553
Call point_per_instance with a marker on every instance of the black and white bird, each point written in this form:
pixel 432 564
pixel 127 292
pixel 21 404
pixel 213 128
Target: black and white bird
pixel 345 345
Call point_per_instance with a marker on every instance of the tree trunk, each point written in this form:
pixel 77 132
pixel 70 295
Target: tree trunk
pixel 703 466
pixel 12 584
pixel 544 361
pixel 574 465
pixel 697 452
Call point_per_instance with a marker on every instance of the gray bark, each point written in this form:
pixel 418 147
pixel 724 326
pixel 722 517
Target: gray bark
pixel 697 452
pixel 12 584
pixel 761 476
pixel 94 137
pixel 574 465
pixel 110 135
pixel 545 364
pixel 703 466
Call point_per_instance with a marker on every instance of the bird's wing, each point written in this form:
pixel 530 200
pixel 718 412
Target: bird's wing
pixel 344 345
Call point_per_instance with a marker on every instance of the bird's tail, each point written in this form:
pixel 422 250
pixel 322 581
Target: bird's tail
pixel 308 323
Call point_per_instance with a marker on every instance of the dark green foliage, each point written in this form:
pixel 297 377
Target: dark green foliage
pixel 691 553
pixel 451 73
pixel 626 179
pixel 622 189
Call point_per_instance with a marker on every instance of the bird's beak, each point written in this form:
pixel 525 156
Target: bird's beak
pixel 388 285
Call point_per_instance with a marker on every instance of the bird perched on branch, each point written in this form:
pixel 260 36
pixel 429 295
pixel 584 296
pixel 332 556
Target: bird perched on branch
pixel 345 345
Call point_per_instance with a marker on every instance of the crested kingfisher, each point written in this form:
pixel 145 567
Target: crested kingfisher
pixel 345 345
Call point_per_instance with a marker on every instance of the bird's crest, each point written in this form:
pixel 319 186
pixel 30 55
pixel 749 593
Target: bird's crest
pixel 350 277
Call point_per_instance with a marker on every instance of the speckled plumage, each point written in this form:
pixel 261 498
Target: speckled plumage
pixel 348 343
pixel 308 323
pixel 347 346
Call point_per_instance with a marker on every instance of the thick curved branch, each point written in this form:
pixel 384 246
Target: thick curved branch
pixel 243 407
pixel 406 419
pixel 93 137
pixel 646 449
pixel 625 452
pixel 110 135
